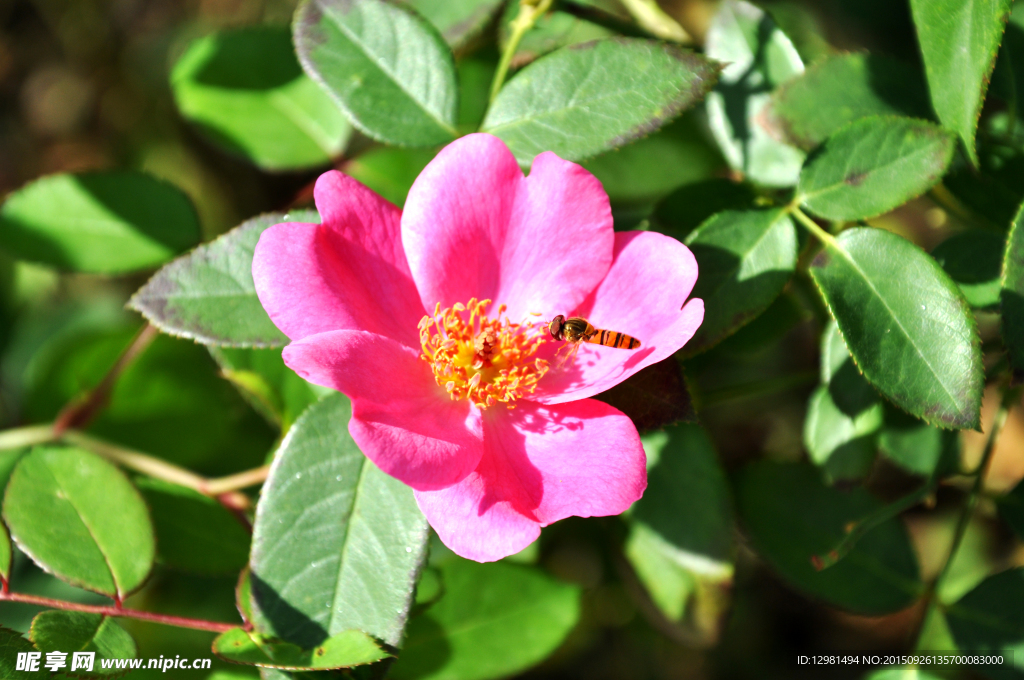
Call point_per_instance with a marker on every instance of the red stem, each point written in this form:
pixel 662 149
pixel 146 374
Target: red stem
pixel 179 621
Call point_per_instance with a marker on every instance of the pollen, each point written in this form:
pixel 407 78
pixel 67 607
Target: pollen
pixel 487 361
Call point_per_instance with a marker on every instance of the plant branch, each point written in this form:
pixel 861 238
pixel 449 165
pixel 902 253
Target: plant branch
pixel 866 524
pixel 1009 397
pixel 111 610
pixel 529 12
pixel 224 489
pixel 26 436
pixel 79 412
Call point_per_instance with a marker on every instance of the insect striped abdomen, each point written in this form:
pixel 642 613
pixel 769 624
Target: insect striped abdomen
pixel 614 339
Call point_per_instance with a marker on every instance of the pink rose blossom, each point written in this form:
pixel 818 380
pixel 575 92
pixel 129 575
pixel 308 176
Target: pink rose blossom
pixel 469 402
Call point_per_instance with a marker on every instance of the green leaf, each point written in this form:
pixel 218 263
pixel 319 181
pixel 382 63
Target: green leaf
pixel 906 324
pixel 79 518
pixel 1011 509
pixel 990 619
pixel 64 631
pixel 98 222
pixel 843 446
pixel 5 554
pixel 169 402
pixel 844 414
pixel 337 543
pixel 874 165
pixel 769 327
pixel 843 88
pixel 343 650
pixel 388 171
pixel 243 595
pixel 1011 295
pixel 690 206
pixel 959 40
pixel 681 532
pixel 745 259
pixel 494 620
pixel 194 532
pixel 272 388
pixel 245 89
pixel 597 96
pixel 388 69
pixel 475 75
pixel 919 447
pixel 992 194
pixel 653 397
pixel 457 20
pixel 758 57
pixel 791 516
pixel 974 260
pixel 11 644
pixel 209 296
pixel 649 169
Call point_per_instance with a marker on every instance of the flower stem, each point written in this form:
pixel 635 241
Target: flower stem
pixel 529 12
pixel 812 226
pixel 111 610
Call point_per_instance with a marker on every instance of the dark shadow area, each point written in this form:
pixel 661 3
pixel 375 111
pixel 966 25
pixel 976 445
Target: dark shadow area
pixel 286 622
pixel 850 391
pixel 653 397
pixel 257 58
pixel 1012 307
pixel 754 81
pixel 900 85
pixel 685 209
pixel 431 650
pixel 697 519
pixel 719 268
pixel 153 207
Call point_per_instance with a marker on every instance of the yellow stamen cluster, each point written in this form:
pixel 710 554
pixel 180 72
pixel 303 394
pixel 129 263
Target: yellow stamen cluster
pixel 481 359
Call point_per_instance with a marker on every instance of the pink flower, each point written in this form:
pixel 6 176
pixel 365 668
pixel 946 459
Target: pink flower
pixel 465 401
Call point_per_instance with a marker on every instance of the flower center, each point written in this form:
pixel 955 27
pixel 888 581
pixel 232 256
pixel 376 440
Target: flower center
pixel 481 359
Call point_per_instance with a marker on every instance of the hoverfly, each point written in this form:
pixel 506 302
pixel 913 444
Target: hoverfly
pixel 576 330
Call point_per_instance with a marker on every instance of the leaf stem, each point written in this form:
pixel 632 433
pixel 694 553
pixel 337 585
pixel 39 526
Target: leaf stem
pixel 529 12
pixel 863 526
pixel 811 226
pixel 110 610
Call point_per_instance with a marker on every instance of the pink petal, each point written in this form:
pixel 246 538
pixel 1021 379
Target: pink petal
pixel 540 464
pixel 348 273
pixel 642 296
pixel 401 419
pixel 473 226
